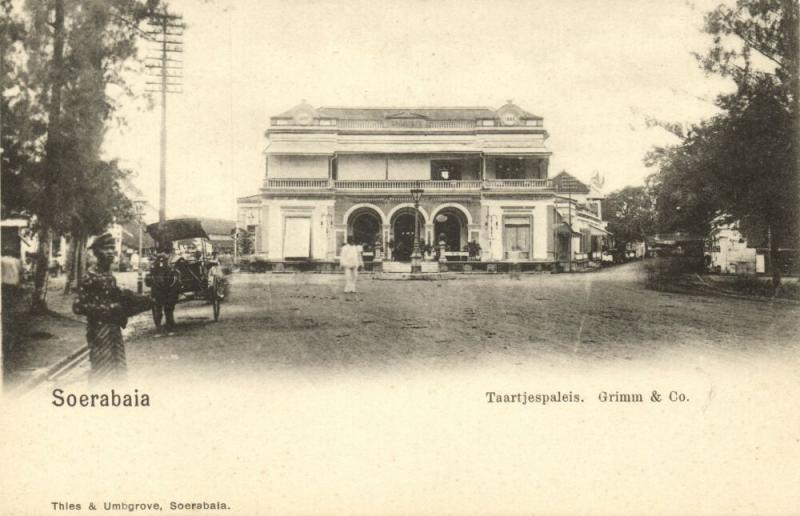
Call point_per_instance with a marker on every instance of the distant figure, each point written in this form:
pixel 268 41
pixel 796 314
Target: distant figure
pixel 12 268
pixel 514 269
pixel 107 308
pixel 55 268
pixel 351 260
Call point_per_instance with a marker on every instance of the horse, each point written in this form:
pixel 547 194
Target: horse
pixel 165 281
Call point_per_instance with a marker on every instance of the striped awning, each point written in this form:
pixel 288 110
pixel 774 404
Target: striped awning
pixel 516 151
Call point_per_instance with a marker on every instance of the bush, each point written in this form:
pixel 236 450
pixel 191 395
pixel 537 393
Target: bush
pixel 753 286
pixel 670 273
pixel 789 291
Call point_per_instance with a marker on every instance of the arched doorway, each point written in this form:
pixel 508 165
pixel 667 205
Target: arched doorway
pixel 450 225
pixel 365 227
pixel 403 234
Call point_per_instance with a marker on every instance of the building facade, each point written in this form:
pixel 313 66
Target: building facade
pixel 332 173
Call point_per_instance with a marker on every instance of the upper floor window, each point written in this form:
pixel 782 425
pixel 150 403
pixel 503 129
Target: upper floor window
pixel 510 168
pixel 446 170
pixel 509 118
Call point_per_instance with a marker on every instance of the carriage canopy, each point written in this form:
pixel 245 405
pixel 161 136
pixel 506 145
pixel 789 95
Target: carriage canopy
pixel 176 229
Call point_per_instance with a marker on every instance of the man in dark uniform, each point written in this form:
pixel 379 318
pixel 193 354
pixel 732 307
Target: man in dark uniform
pixel 164 287
pixel 107 308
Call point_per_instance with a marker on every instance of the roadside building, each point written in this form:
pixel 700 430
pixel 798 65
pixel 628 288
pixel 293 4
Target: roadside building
pixel 675 244
pixel 729 252
pixel 21 241
pixel 332 172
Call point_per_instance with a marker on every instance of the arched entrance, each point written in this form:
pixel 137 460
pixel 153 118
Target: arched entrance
pixel 450 225
pixel 365 227
pixel 403 233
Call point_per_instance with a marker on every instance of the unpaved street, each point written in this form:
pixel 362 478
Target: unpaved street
pixel 304 320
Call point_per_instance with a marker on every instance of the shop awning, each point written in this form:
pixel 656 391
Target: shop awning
pixel 406 148
pixel 305 148
pixel 564 229
pixel 515 151
pixel 598 230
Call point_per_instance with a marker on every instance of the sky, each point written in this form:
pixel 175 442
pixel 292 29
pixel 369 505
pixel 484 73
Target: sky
pixel 594 69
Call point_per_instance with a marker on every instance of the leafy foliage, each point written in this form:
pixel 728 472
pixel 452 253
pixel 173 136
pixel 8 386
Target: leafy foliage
pixel 245 241
pixel 67 57
pixel 741 164
pixel 630 213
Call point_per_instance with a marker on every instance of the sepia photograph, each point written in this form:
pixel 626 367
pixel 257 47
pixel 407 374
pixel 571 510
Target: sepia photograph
pixel 421 257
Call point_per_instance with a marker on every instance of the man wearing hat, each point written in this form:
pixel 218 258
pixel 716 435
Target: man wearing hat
pixel 107 308
pixel 164 286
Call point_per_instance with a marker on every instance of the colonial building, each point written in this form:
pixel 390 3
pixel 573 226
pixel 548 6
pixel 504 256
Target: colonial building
pixel 336 172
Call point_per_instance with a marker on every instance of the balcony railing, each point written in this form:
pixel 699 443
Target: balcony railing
pixel 517 184
pixel 373 185
pixel 404 123
pixel 297 184
pixel 436 186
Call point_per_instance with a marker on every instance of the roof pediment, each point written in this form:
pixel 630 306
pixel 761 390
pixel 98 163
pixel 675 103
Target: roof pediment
pixel 406 115
pixel 302 110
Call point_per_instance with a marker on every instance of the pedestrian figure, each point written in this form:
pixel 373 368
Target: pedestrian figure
pixel 107 308
pixel 164 286
pixel 514 267
pixel 350 260
pixel 11 268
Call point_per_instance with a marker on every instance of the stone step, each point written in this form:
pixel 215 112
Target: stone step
pixel 405 267
pixel 430 267
pixel 398 267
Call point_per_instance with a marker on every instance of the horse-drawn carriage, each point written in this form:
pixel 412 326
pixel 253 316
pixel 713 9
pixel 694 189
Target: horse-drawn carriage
pixel 184 267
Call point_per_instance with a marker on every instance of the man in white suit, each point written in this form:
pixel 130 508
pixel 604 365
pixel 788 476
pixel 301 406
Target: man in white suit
pixel 350 259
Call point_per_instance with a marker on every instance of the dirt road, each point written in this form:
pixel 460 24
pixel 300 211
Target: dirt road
pixel 289 321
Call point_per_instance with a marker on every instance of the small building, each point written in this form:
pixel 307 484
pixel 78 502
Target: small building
pixel 338 172
pixel 729 252
pixel 675 244
pixel 18 239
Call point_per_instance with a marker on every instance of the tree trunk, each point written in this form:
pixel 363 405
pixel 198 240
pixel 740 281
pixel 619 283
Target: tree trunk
pixel 72 254
pixel 80 265
pixel 52 163
pixel 39 298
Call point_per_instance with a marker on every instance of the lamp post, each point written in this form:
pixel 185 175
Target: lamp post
pixel 416 257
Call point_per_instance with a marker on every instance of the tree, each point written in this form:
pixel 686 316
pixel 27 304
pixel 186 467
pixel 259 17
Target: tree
pixel 686 196
pixel 743 163
pixel 20 127
pixel 630 214
pixel 758 176
pixel 73 52
pixel 244 241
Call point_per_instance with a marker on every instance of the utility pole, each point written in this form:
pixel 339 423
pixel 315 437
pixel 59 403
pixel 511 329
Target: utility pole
pixel 139 204
pixel 165 64
pixel 235 246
